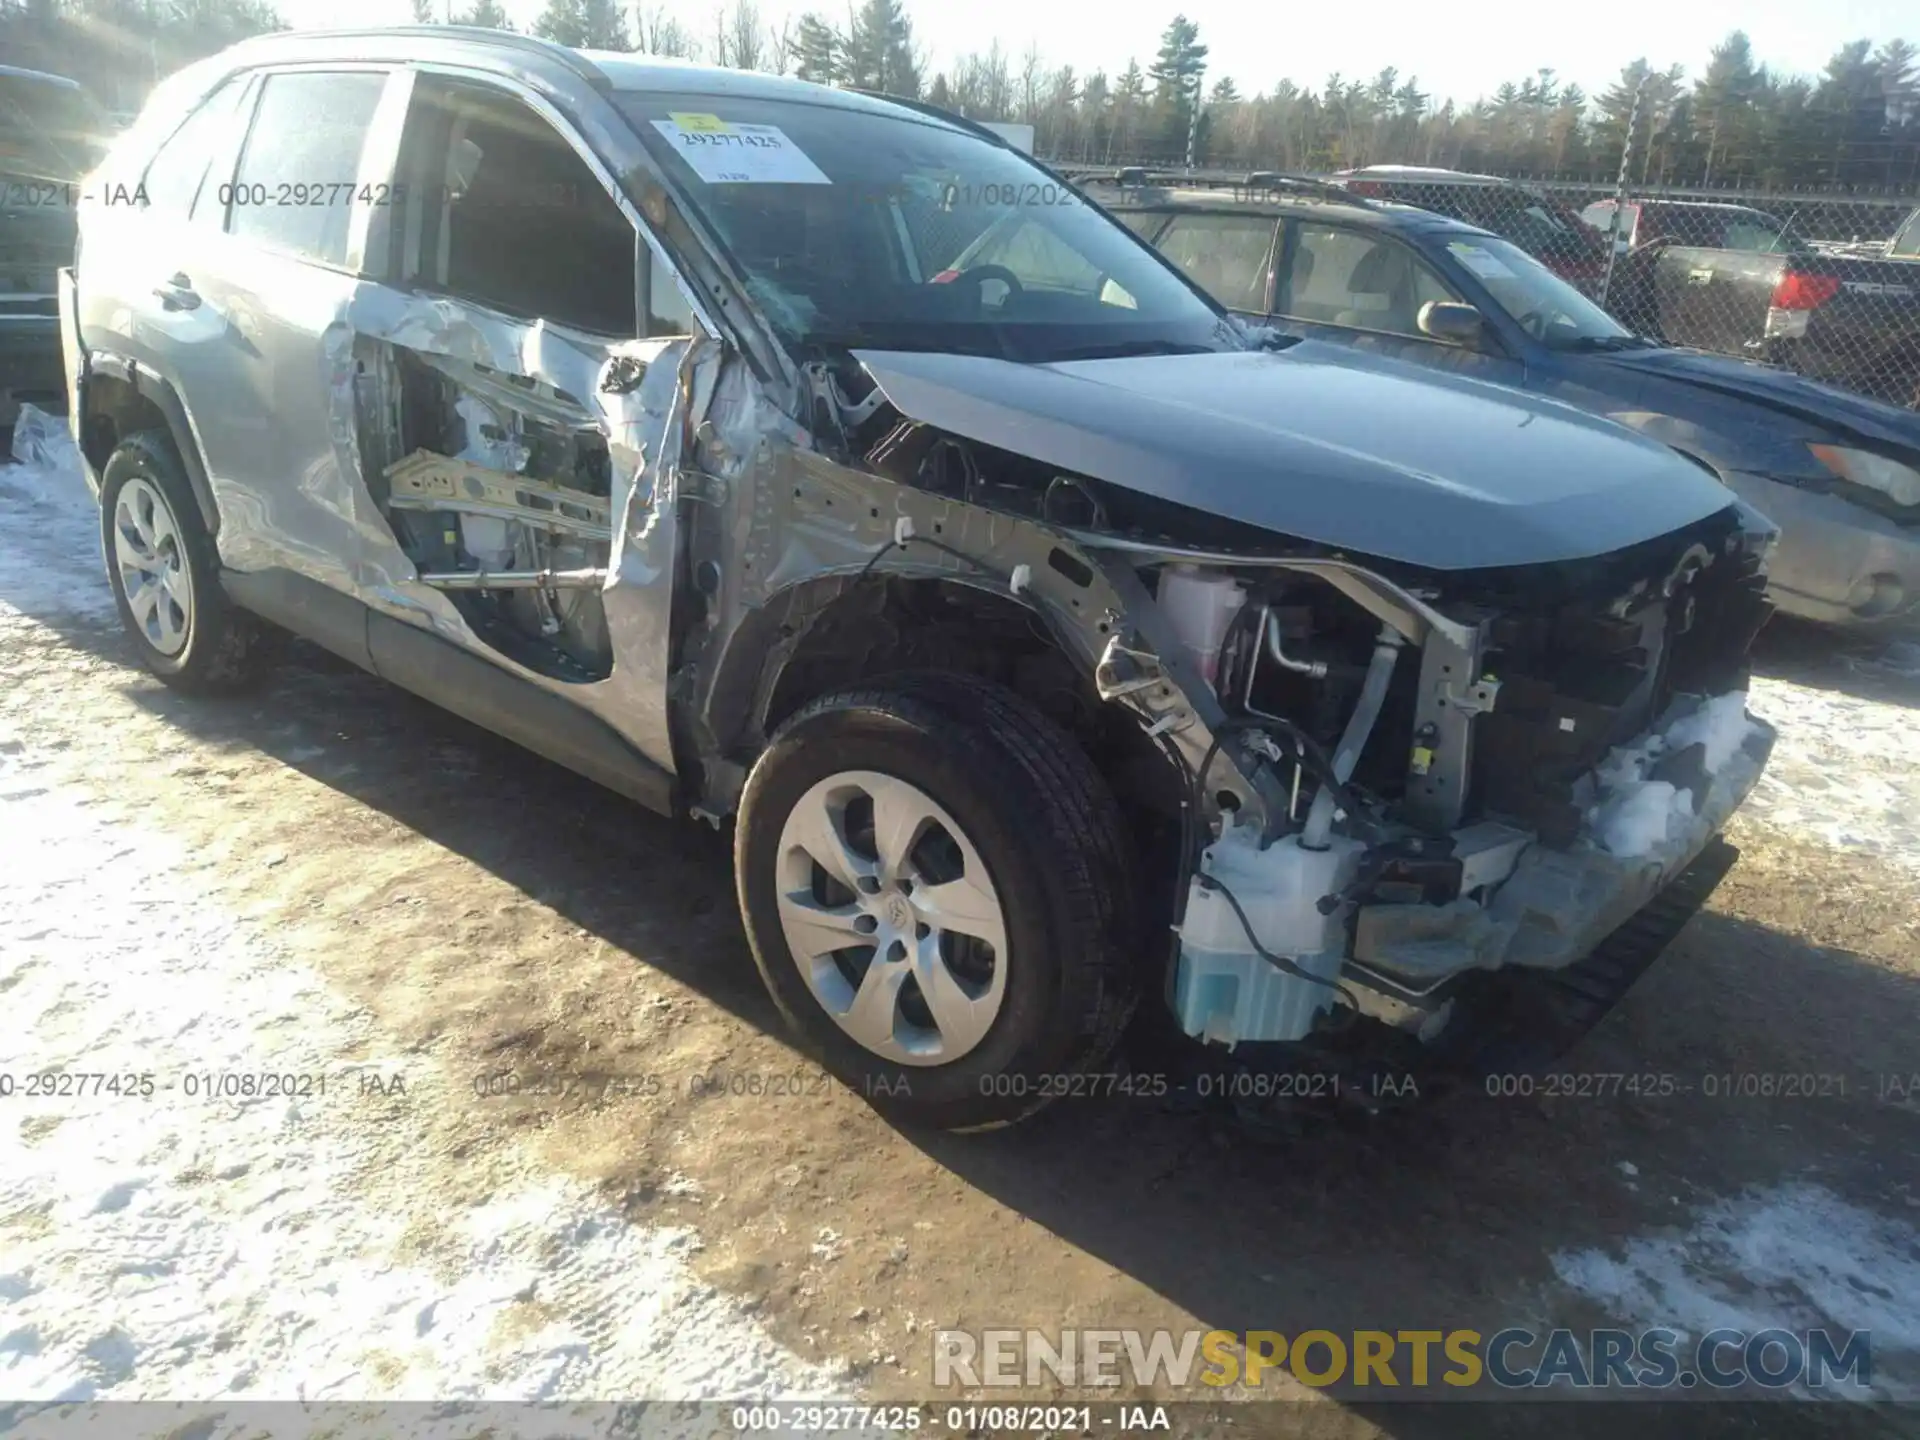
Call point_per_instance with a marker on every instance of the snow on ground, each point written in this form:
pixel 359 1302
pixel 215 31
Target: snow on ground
pixel 176 1246
pixel 50 532
pixel 168 1247
pixel 173 1245
pixel 1796 1257
pixel 1846 770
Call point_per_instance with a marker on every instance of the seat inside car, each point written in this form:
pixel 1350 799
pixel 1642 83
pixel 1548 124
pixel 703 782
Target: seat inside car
pixel 1380 293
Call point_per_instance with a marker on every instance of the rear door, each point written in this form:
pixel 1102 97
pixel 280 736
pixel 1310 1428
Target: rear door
pixel 147 236
pixel 278 274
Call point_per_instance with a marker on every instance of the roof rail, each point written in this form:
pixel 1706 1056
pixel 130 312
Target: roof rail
pixel 1305 185
pixel 927 107
pixel 482 34
pixel 1272 181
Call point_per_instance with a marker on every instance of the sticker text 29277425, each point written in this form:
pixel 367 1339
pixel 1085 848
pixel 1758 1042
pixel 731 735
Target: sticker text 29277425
pixel 724 153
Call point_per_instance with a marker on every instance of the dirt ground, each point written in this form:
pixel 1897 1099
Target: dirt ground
pixel 491 915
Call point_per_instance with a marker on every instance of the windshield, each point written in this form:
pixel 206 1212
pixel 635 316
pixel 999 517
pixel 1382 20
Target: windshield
pixel 1543 227
pixel 854 228
pixel 1541 303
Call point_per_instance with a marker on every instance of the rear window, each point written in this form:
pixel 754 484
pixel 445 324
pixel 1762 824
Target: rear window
pixel 1755 233
pixel 177 176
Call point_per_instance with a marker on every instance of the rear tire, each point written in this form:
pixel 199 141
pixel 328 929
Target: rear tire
pixel 165 573
pixel 1013 901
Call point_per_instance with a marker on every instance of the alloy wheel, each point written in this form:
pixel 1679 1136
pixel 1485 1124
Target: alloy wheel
pixel 892 918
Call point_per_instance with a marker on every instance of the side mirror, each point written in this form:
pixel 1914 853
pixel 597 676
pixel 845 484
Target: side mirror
pixel 1452 321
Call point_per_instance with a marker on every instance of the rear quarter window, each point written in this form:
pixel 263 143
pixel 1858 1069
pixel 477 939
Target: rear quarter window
pixel 1228 256
pixel 177 175
pixel 293 191
pixel 1142 222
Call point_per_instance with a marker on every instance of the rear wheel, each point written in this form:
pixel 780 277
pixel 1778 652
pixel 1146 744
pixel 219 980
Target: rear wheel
pixel 939 897
pixel 165 573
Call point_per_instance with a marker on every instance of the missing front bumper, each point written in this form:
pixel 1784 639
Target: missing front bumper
pixel 1558 904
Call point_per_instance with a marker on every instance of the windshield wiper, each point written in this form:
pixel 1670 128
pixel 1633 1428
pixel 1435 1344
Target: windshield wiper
pixel 1126 349
pixel 1610 342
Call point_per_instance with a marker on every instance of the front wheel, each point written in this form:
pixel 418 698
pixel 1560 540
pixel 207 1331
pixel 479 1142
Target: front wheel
pixel 939 896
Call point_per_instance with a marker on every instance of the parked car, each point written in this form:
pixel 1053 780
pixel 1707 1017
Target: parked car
pixel 51 133
pixel 1739 281
pixel 1903 244
pixel 1532 219
pixel 820 462
pixel 1838 472
pixel 1694 224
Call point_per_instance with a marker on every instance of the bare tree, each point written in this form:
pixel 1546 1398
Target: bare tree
pixel 780 46
pixel 656 32
pixel 746 41
pixel 1033 73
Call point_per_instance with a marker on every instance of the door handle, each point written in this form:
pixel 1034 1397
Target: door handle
pixel 177 294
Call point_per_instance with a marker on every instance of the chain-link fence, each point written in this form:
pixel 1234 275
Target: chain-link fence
pixel 1828 285
pixel 1825 284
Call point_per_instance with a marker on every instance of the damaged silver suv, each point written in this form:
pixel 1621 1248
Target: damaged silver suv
pixel 817 461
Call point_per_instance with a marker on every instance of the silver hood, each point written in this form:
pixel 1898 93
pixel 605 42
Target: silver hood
pixel 1324 444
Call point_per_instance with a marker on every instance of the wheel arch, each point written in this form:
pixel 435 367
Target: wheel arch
pixel 830 632
pixel 118 398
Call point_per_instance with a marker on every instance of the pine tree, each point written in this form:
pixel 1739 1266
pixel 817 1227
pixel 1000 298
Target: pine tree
pixel 489 14
pixel 1724 99
pixel 1176 72
pixel 1659 91
pixel 584 24
pixel 878 54
pixel 816 49
pixel 1096 99
pixel 1129 103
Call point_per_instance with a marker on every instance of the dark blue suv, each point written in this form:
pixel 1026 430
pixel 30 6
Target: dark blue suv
pixel 1838 472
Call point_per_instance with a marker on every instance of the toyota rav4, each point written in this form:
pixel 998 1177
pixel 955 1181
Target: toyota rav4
pixel 816 462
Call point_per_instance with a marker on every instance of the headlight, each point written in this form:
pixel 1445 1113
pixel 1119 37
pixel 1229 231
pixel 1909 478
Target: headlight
pixel 1876 472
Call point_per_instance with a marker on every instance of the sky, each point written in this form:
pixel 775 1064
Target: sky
pixel 1458 52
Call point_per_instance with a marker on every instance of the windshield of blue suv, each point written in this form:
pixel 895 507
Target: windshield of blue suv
pixel 1540 302
pixel 860 229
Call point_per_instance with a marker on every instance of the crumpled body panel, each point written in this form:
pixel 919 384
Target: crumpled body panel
pixel 629 391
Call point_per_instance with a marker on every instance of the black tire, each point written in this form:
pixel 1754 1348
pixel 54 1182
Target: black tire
pixel 1052 839
pixel 223 652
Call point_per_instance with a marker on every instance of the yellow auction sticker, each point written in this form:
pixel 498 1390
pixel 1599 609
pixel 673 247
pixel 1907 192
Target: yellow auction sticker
pixel 703 124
